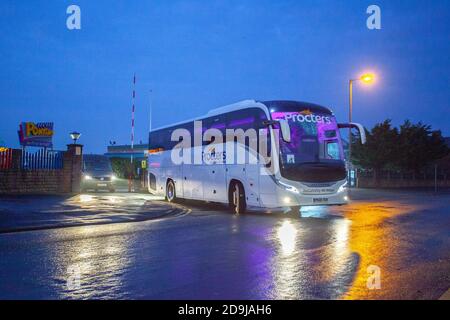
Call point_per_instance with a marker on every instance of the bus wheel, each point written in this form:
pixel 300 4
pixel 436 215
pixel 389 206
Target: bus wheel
pixel 237 198
pixel 170 191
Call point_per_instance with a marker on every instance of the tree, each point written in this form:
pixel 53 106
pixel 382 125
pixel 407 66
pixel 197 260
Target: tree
pixel 410 149
pixel 379 151
pixel 419 146
pixel 122 167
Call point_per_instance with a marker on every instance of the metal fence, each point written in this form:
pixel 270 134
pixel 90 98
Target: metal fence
pixel 430 173
pixel 42 160
pixel 6 159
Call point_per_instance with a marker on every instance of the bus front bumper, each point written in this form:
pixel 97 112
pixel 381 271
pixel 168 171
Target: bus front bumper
pixel 291 200
pixel 298 195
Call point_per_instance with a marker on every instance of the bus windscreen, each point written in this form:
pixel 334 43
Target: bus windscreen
pixel 314 138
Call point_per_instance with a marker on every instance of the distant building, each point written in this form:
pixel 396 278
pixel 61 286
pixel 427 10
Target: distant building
pixel 139 151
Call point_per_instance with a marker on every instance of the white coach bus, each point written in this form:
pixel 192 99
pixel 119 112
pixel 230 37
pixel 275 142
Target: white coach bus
pixel 296 159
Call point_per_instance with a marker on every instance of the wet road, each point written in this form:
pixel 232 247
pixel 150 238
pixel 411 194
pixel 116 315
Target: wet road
pixel 211 254
pixel 25 213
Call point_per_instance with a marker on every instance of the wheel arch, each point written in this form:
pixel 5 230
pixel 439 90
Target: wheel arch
pixel 230 184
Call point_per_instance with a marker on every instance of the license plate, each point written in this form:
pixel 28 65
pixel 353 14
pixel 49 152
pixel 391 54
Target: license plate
pixel 101 185
pixel 320 200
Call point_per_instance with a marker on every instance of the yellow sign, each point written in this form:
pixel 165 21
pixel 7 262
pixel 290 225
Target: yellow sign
pixel 36 134
pixel 144 164
pixel 34 130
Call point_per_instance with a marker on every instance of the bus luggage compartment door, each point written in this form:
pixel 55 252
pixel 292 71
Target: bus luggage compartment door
pixel 214 187
pixel 252 188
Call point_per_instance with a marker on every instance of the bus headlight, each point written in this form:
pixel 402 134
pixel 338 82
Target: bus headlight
pixel 289 188
pixel 342 188
pixel 87 177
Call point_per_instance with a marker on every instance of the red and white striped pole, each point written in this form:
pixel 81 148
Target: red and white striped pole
pixel 130 182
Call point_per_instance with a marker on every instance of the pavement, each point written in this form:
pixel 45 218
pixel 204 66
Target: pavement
pixel 445 296
pixel 382 245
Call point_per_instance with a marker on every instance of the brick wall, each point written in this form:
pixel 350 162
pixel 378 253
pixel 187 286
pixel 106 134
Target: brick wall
pixel 66 180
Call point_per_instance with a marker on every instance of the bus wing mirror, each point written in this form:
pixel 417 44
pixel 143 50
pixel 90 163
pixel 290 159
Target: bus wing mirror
pixel 359 127
pixel 285 130
pixel 284 126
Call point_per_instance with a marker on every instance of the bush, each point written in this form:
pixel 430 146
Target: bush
pixel 122 167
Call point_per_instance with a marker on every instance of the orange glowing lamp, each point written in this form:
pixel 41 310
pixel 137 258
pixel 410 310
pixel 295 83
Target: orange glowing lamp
pixel 367 78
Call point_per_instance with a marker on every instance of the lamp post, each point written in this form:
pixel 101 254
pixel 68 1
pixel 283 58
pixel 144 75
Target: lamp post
pixel 366 78
pixel 75 136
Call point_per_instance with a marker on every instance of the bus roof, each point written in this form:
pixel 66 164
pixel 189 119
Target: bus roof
pixel 288 105
pixel 233 107
pixel 228 108
pixel 264 105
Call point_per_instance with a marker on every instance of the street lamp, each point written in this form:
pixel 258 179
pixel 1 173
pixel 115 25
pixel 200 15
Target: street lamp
pixel 366 78
pixel 75 136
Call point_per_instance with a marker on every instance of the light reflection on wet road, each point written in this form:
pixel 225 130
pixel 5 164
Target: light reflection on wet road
pixel 211 254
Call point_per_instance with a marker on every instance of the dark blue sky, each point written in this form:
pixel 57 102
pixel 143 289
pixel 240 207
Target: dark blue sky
pixel 198 55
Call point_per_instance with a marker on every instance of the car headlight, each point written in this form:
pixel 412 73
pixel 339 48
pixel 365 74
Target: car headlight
pixel 113 178
pixel 87 177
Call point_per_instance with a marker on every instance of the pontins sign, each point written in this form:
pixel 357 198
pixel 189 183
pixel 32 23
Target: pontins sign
pixel 36 134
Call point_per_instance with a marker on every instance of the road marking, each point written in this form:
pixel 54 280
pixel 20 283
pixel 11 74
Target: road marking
pixel 445 296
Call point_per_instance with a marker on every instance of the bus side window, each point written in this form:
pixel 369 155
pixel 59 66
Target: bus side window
pixel 264 136
pixel 264 132
pixel 216 122
pixel 241 119
pixel 246 119
pixel 154 140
